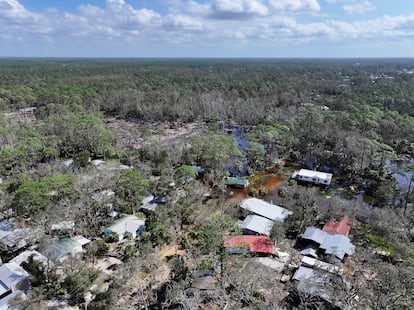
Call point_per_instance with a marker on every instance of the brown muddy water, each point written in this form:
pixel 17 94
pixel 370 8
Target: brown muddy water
pixel 269 180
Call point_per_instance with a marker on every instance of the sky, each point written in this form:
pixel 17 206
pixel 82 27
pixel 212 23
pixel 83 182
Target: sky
pixel 207 28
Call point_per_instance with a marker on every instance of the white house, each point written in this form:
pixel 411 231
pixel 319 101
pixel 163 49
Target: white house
pixel 128 225
pixel 312 176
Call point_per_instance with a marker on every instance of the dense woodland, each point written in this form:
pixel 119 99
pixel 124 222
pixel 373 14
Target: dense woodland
pixel 354 118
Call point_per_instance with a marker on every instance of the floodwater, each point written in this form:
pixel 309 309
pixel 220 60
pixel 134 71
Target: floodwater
pixel 402 176
pixel 268 179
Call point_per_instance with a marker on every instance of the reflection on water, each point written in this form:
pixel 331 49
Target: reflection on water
pixel 402 176
pixel 269 180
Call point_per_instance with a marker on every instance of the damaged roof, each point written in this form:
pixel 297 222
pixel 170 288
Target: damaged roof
pixel 343 227
pixel 256 244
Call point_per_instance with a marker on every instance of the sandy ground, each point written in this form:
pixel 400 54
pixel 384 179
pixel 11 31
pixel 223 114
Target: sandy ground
pixel 134 135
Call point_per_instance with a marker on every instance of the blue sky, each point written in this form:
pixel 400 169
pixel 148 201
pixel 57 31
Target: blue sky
pixel 207 28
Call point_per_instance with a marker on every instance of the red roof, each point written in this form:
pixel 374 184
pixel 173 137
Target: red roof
pixel 343 227
pixel 256 244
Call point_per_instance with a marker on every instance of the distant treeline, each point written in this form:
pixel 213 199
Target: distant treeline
pixel 245 91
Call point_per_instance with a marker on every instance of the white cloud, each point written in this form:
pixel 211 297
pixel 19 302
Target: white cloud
pixel 295 5
pixel 13 11
pixel 182 22
pixel 237 9
pixel 193 23
pixel 358 7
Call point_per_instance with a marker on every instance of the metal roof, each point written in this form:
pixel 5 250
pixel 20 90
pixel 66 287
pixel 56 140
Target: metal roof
pixel 236 181
pixel 127 224
pixel 314 234
pixel 256 244
pixel 62 247
pixel 81 240
pixel 303 273
pixel 265 209
pixel 258 224
pixel 343 226
pixel 315 174
pixel 314 263
pixel 11 274
pixel 337 245
pixel 24 257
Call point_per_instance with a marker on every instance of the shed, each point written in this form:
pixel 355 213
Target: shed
pixel 254 224
pixel 265 209
pixel 313 176
pixel 343 227
pixel 314 234
pixel 128 225
pixel 337 245
pixel 245 244
pixel 236 182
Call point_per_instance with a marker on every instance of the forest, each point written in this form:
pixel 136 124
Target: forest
pixel 86 143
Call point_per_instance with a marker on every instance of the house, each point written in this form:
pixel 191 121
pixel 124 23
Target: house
pixel 25 256
pixel 256 225
pixel 343 227
pixel 312 177
pixel 236 182
pixel 128 225
pixel 63 247
pixel 265 209
pixel 13 238
pixel 13 278
pixel 337 245
pixel 248 244
pixel 63 226
pixel 314 234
